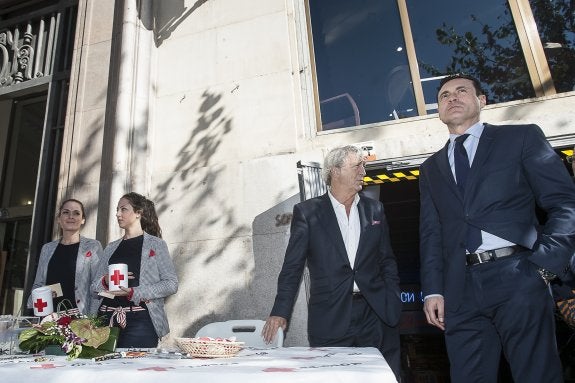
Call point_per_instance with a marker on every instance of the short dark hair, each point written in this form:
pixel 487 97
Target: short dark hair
pixel 478 89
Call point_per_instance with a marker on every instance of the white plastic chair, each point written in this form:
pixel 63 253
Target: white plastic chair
pixel 246 330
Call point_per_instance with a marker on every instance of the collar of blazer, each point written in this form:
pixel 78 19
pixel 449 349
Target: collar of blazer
pixel 327 216
pixel 481 155
pixel 83 249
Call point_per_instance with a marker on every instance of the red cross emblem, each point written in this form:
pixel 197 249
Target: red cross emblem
pixel 46 366
pixel 155 368
pixel 117 277
pixel 40 304
pixel 279 369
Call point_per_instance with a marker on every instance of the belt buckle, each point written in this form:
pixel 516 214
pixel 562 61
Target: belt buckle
pixel 480 257
pixel 491 256
pixel 477 258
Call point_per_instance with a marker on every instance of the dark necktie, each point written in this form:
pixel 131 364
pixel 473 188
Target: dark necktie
pixel 461 162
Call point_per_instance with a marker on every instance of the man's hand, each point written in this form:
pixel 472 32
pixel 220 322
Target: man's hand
pixel 271 327
pixel 433 308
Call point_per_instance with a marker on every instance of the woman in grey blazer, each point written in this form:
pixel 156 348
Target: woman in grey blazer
pixel 138 309
pixel 70 261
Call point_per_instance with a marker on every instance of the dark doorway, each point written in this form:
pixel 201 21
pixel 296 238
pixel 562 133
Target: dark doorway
pixel 20 163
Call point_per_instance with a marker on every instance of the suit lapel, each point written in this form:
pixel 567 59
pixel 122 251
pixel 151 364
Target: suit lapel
pixel 145 256
pixel 481 154
pixel 329 221
pixel 365 217
pixel 81 257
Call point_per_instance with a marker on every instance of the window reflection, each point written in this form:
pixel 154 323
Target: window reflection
pixel 477 38
pixel 361 62
pixel 556 26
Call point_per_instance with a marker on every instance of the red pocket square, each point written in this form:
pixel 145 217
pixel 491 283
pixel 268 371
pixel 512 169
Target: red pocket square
pixel 375 223
pixel 152 253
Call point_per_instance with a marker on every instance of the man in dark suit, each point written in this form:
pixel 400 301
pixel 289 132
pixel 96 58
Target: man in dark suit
pixel 485 261
pixel 354 286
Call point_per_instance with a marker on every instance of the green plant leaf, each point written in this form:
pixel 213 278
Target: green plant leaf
pixel 95 336
pixel 27 334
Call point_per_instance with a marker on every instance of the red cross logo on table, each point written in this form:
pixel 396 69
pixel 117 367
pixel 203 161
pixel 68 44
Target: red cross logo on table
pixel 46 366
pixel 40 304
pixel 117 277
pixel 156 368
pixel 279 369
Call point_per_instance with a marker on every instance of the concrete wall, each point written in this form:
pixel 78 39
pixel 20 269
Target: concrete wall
pixel 230 113
pixel 84 131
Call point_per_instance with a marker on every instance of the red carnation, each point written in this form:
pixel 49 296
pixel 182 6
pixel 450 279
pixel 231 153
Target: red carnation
pixel 64 321
pixel 88 254
pixel 152 253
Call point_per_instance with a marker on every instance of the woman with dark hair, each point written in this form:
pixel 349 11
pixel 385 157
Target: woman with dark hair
pixel 70 261
pixel 138 309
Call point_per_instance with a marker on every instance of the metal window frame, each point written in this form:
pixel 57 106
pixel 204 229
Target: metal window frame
pixel 531 46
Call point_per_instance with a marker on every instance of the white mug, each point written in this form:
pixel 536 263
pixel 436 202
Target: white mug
pixel 117 276
pixel 42 302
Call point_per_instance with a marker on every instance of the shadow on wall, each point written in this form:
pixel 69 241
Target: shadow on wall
pixel 167 16
pixel 210 270
pixel 88 161
pixel 203 141
pixel 255 300
pixel 270 238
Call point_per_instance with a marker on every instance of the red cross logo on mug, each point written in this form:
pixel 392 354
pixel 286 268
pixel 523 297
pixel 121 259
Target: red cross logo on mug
pixel 117 277
pixel 40 304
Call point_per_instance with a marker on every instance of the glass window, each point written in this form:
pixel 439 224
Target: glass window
pixel 23 152
pixel 361 63
pixel 477 38
pixel 555 21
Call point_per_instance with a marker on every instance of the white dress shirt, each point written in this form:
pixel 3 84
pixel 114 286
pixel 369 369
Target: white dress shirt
pixel 350 228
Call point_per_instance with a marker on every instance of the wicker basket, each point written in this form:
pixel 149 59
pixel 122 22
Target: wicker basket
pixel 209 348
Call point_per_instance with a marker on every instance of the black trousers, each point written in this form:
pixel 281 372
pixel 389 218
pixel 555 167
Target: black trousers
pixel 367 330
pixel 139 331
pixel 506 307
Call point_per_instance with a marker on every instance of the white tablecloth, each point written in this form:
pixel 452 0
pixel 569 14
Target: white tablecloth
pixel 289 364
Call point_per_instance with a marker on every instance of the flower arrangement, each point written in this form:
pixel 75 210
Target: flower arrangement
pixel 77 336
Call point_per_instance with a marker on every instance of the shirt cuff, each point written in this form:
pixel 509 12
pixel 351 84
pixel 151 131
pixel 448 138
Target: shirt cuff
pixel 130 294
pixel 432 296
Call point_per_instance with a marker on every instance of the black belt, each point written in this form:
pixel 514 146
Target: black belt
pixel 356 295
pixel 492 255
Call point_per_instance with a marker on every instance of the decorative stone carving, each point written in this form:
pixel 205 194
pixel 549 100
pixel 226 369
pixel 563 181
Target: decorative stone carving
pixel 18 61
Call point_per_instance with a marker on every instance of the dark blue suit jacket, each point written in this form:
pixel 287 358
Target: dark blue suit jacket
pixel 514 168
pixel 316 239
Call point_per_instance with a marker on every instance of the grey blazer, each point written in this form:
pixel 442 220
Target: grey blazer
pixel 158 279
pixel 89 253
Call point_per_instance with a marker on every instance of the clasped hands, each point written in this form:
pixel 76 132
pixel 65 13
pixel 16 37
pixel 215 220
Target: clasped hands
pixel 124 291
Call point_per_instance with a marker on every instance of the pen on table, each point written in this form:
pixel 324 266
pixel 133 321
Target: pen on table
pixel 114 355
